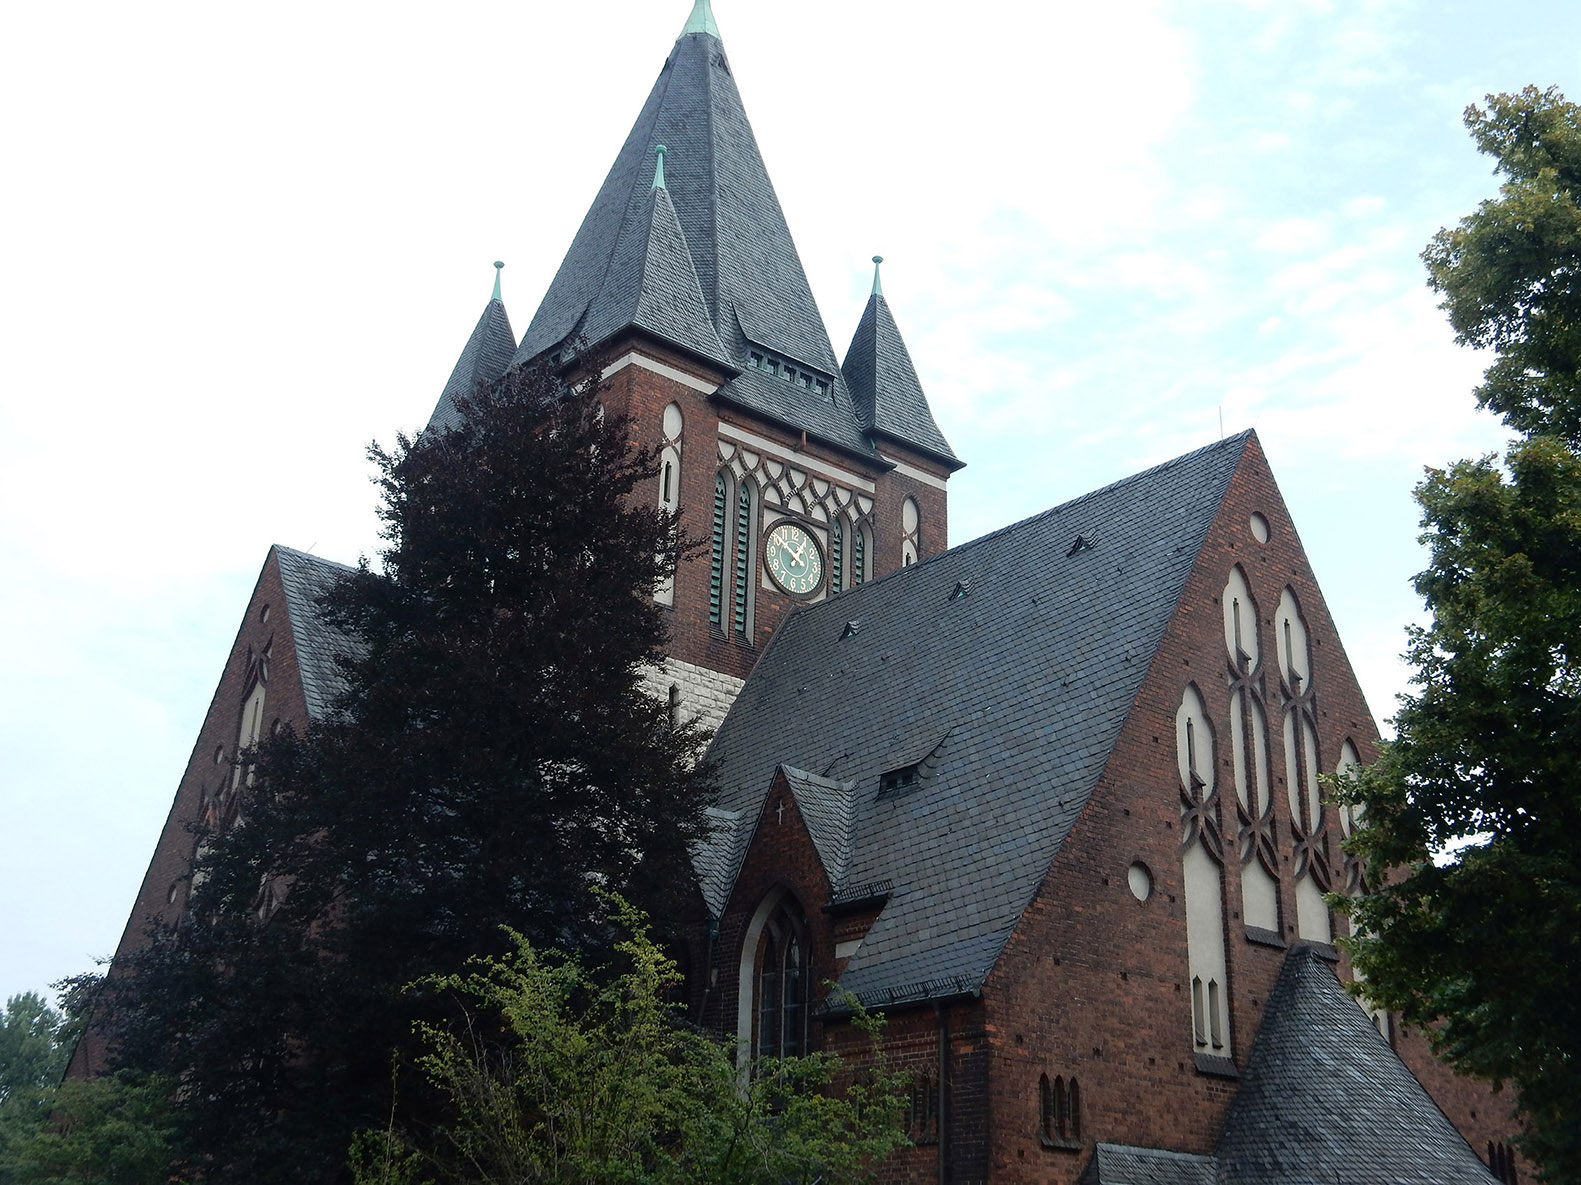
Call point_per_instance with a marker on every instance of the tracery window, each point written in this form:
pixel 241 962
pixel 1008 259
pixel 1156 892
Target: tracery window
pixel 1201 857
pixel 1257 841
pixel 670 485
pixel 1308 834
pixel 782 988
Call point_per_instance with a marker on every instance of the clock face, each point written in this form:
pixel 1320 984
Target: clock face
pixel 793 559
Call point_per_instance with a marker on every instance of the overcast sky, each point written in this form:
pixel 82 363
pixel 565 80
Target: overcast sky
pixel 241 242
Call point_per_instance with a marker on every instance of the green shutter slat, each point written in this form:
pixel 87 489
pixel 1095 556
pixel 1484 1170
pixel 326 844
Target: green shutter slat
pixel 743 557
pixel 716 570
pixel 837 557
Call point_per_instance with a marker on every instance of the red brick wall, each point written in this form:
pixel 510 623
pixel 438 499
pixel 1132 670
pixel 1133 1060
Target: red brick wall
pixel 1094 983
pixel 171 863
pixel 643 395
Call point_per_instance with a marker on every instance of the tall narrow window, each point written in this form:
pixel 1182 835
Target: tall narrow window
pixel 836 556
pixel 911 524
pixel 669 486
pixel 1202 855
pixel 716 568
pixel 859 557
pixel 741 603
pixel 782 989
pixel 1059 1105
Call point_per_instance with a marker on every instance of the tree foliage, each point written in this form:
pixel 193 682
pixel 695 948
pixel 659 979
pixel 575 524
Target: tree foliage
pixel 31 1057
pixel 558 1076
pixel 492 760
pixel 1510 273
pixel 115 1130
pixel 1472 927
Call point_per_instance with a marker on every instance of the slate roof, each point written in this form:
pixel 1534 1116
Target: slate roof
pixel 1121 1164
pixel 1014 694
pixel 828 808
pixel 884 386
pixel 306 577
pixel 651 284
pixel 1324 1098
pixel 484 358
pixel 751 278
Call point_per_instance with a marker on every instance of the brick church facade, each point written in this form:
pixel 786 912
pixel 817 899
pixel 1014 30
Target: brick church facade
pixel 1048 800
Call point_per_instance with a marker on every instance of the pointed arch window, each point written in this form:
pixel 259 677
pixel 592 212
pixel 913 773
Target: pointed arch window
pixel 1059 1107
pixel 859 550
pixel 911 524
pixel 782 988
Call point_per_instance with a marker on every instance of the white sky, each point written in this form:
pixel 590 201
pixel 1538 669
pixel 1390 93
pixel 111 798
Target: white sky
pixel 241 242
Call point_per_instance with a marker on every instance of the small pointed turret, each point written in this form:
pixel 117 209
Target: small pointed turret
pixel 484 358
pixel 702 20
pixel 658 169
pixel 885 391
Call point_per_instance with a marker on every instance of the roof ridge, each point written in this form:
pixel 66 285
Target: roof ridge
pixel 308 555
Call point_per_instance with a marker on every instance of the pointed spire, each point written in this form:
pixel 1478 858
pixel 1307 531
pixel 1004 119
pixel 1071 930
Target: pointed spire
pixel 499 266
pixel 702 20
pixel 658 169
pixel 878 288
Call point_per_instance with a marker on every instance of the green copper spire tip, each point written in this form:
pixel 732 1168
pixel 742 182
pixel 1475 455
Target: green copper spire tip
pixel 658 170
pixel 702 20
pixel 878 289
pixel 498 268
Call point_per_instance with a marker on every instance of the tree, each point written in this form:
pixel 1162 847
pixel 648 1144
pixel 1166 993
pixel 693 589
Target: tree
pixel 115 1130
pixel 492 761
pixel 30 1056
pixel 1508 273
pixel 1471 929
pixel 563 1077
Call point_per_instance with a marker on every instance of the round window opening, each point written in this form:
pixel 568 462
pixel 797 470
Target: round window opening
pixel 1141 881
pixel 1259 528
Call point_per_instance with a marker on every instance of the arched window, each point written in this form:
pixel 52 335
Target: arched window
pixel 1059 1107
pixel 716 567
pixel 675 707
pixel 859 550
pixel 911 524
pixel 669 486
pixel 1202 854
pixel 781 1029
pixel 743 561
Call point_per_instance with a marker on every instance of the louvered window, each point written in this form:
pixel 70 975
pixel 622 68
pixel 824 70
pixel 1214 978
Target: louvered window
pixel 859 556
pixel 836 556
pixel 741 607
pixel 716 570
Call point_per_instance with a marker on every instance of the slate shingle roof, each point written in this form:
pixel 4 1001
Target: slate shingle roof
pixel 828 808
pixel 1014 693
pixel 884 386
pixel 748 271
pixel 305 577
pixel 1324 1098
pixel 1120 1164
pixel 484 358
pixel 651 284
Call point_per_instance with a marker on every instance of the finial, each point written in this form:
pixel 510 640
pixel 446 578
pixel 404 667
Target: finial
pixel 499 266
pixel 701 20
pixel 878 289
pixel 658 170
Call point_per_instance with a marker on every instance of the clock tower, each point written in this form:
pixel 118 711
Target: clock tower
pixel 807 475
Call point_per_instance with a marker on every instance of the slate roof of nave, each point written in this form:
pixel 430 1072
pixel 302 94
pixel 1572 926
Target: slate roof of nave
pixel 1011 695
pixel 305 578
pixel 1324 1098
pixel 748 270
pixel 483 360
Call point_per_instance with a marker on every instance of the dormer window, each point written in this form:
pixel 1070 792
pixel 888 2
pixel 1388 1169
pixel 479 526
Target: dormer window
pixel 898 781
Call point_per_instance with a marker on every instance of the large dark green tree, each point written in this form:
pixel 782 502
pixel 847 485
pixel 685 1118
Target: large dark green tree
pixel 492 761
pixel 1472 929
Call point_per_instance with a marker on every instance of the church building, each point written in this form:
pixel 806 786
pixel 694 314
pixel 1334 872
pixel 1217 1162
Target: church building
pixel 1050 800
